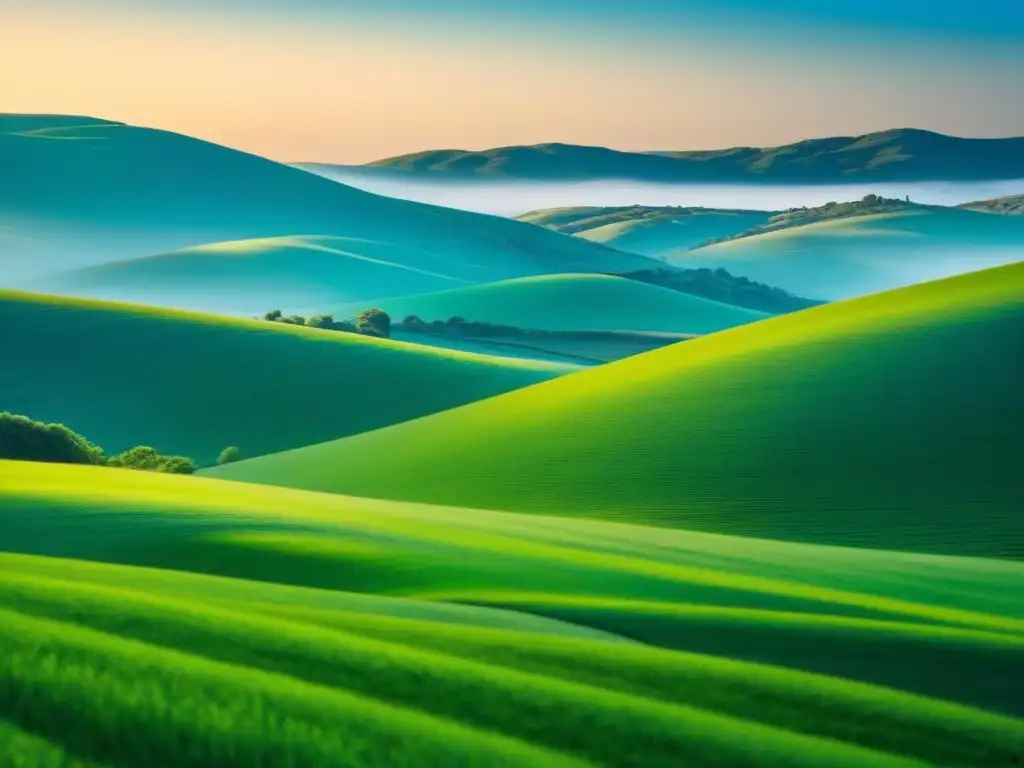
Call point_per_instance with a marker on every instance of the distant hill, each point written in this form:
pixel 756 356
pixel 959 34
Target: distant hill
pixel 253 276
pixel 193 384
pixel 577 302
pixel 904 154
pixel 854 253
pixel 79 192
pixel 1011 205
pixel 891 421
pixel 651 231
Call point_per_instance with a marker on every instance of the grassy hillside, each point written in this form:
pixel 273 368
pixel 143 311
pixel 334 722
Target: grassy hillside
pixel 571 302
pixel 192 384
pixel 1011 205
pixel 126 192
pixel 253 276
pixel 891 421
pixel 858 255
pixel 904 154
pixel 348 639
pixel 651 231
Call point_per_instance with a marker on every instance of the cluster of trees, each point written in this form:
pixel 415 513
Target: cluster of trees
pixel 459 326
pixel 372 322
pixel 723 286
pixel 795 217
pixel 24 439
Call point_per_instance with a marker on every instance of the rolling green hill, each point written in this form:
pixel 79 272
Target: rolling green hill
pixel 283 627
pixel 79 192
pixel 253 276
pixel 571 302
pixel 863 254
pixel 902 154
pixel 650 231
pixel 891 421
pixel 192 384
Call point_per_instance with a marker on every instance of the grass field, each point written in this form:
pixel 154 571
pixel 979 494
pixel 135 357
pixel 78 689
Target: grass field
pixel 892 421
pixel 860 255
pixel 191 384
pixel 320 630
pixel 655 232
pixel 251 277
pixel 571 303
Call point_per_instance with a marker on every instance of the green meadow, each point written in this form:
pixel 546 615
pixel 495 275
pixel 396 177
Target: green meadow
pixel 166 620
pixel 192 384
pixel 785 540
pixel 891 421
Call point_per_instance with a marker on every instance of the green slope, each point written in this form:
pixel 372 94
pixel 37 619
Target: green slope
pixel 571 303
pixel 88 192
pixel 192 384
pixel 651 231
pixel 254 276
pixel 891 421
pixel 348 645
pixel 859 255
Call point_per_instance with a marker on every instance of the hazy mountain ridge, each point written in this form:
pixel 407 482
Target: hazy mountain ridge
pixel 904 154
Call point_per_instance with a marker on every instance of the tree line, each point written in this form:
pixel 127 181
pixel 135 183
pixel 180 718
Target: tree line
pixel 372 322
pixel 24 439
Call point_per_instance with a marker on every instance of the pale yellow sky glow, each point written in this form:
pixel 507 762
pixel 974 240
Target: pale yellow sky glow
pixel 369 94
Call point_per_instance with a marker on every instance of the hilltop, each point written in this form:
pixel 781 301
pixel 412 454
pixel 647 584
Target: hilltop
pixel 889 421
pixel 249 276
pixel 1011 205
pixel 192 384
pixel 651 231
pixel 855 249
pixel 904 154
pixel 126 192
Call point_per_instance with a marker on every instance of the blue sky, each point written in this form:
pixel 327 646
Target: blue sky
pixel 353 80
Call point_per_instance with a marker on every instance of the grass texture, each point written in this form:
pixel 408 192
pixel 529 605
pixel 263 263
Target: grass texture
pixel 164 620
pixel 891 421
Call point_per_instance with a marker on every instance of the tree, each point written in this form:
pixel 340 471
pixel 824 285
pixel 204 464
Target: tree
pixel 229 454
pixel 293 320
pixel 147 459
pixel 23 439
pixel 374 322
pixel 176 465
pixel 321 321
pixel 273 315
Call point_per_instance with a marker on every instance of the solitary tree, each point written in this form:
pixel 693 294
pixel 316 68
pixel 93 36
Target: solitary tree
pixel 273 315
pixel 374 322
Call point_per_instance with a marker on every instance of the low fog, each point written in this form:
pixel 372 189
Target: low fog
pixel 511 198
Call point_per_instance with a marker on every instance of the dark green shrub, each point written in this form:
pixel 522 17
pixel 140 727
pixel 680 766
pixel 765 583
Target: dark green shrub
pixel 273 315
pixel 23 439
pixel 146 459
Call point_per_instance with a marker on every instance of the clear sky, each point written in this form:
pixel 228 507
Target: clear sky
pixel 358 80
